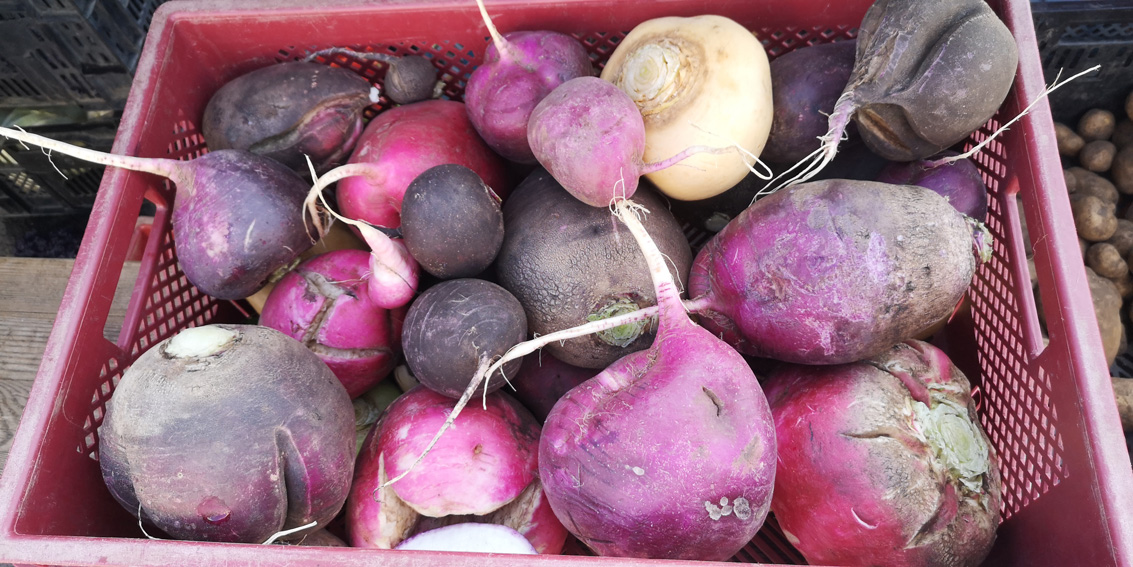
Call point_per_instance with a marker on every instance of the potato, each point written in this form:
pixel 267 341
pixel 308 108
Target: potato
pixel 1107 307
pixel 1071 180
pixel 1123 392
pixel 1122 170
pixel 1090 183
pixel 1096 124
pixel 1122 133
pixel 1097 155
pixel 1094 218
pixel 1124 285
pixel 1104 259
pixel 1069 142
pixel 1122 239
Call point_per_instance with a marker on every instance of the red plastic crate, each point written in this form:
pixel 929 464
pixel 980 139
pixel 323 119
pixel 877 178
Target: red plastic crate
pixel 1049 410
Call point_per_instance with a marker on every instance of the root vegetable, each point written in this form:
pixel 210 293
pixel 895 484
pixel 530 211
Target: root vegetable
pixel 1107 309
pixel 478 538
pixel 1122 134
pixel 568 263
pixel 805 85
pixel 926 75
pixel 677 438
pixel 456 325
pixel 325 304
pixel 1090 183
pixel 1122 238
pixel 519 70
pixel 696 81
pixel 1094 218
pixel 1096 124
pixel 235 214
pixel 1104 259
pixel 1069 142
pixel 451 222
pixel 543 379
pixel 1097 156
pixel 410 79
pixel 883 462
pixel 290 110
pixel 959 181
pixel 229 433
pixel 1122 170
pixel 834 271
pixel 1123 391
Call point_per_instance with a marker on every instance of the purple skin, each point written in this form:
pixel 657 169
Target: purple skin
pixel 590 136
pixel 543 379
pixel 325 304
pixel 236 220
pixel 669 452
pixel 232 447
pixel 503 91
pixel 960 182
pixel 805 84
pixel 833 271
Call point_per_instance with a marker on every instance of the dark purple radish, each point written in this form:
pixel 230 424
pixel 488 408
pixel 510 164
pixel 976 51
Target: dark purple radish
pixel 230 433
pixel 926 75
pixel 518 71
pixel 451 222
pixel 408 79
pixel 958 181
pixel 805 85
pixel 290 110
pixel 835 271
pixel 568 263
pixel 884 462
pixel 474 538
pixel 456 325
pixel 590 136
pixel 543 379
pixel 670 451
pixel 236 215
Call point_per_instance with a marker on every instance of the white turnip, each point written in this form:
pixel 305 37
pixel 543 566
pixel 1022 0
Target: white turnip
pixel 697 81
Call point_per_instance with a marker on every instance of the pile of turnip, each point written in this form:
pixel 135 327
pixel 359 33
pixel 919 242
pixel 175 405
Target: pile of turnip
pixel 569 365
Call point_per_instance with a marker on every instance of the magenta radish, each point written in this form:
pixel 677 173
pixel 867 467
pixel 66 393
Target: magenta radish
pixel 325 304
pixel 236 215
pixel 290 110
pixel 591 137
pixel 478 468
pixel 883 462
pixel 669 452
pixel 518 71
pixel 229 433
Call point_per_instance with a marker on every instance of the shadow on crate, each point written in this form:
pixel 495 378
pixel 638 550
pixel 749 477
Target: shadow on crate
pixel 56 236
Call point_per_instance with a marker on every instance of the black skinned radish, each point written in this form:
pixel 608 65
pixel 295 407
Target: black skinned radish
pixel 236 215
pixel 451 222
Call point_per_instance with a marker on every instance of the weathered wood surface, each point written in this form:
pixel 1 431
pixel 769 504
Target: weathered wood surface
pixel 30 292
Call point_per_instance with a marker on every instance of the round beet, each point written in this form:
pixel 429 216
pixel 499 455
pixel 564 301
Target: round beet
pixel 325 304
pixel 451 222
pixel 883 462
pixel 455 325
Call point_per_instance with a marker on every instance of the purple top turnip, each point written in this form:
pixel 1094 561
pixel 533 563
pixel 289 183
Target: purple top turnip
pixel 669 452
pixel 236 215
pixel 958 181
pixel 518 71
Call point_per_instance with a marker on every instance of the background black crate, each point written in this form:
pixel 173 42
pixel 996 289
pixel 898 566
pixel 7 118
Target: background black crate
pixel 1076 35
pixel 34 183
pixel 70 52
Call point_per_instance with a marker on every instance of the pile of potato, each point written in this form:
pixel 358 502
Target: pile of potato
pixel 1098 158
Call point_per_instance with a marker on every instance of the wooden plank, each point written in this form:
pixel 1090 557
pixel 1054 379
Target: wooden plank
pixel 30 292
